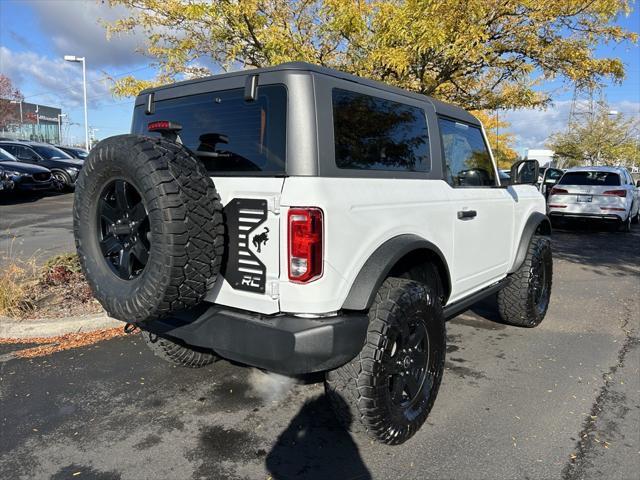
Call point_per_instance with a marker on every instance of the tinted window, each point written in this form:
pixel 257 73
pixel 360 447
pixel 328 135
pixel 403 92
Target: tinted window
pixel 590 178
pixel 6 156
pixel 371 133
pixel 50 153
pixel 227 133
pixel 554 174
pixel 467 159
pixel 21 152
pixel 12 149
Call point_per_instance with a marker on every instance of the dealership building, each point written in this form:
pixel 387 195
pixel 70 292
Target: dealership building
pixel 29 121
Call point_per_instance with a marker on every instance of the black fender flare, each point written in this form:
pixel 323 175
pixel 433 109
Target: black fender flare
pixel 536 223
pixel 379 264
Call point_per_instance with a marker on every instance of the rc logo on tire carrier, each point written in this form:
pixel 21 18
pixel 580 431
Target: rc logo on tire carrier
pixel 243 269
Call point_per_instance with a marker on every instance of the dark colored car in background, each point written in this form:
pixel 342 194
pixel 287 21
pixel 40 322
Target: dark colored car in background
pixel 23 176
pixel 64 168
pixel 75 152
pixel 5 181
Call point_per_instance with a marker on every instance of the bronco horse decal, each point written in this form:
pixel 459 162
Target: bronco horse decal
pixel 259 240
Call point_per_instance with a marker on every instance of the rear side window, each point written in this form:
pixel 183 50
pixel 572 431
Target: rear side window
pixel 227 133
pixel 372 133
pixel 590 178
pixel 467 159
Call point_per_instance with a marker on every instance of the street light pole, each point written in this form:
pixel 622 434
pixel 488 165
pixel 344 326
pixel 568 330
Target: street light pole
pixel 72 58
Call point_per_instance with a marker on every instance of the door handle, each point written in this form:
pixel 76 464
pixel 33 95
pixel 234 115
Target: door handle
pixel 467 214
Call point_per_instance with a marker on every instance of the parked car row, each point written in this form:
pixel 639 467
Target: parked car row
pixel 603 193
pixel 587 193
pixel 35 166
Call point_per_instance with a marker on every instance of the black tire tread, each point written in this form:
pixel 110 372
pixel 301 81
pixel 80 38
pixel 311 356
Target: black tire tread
pixel 178 354
pixel 515 304
pixel 189 230
pixel 352 390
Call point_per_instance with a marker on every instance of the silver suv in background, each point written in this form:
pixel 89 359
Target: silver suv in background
pixel 606 193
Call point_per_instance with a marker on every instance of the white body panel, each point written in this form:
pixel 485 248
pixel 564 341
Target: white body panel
pixel 360 214
pixel 267 188
pixel 482 245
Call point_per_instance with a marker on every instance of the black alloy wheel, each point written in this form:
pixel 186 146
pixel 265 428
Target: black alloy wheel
pixel 60 180
pixel 540 285
pixel 525 298
pixel 123 229
pixel 405 362
pixel 389 388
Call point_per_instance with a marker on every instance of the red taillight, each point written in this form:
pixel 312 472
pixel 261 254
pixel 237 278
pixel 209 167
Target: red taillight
pixel 616 193
pixel 163 125
pixel 558 191
pixel 305 244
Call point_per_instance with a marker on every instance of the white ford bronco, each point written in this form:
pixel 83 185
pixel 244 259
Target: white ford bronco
pixel 298 219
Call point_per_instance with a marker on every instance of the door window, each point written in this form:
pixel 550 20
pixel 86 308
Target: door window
pixel 467 159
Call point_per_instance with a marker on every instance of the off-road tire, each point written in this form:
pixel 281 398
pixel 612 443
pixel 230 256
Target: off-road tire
pixel 186 232
pixel 517 301
pixel 359 392
pixel 177 353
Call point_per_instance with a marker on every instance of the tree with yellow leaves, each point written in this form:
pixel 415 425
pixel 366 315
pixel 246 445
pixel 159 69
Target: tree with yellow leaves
pixel 500 139
pixel 602 138
pixel 479 54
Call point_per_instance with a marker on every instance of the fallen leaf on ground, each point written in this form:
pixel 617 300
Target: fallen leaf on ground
pixel 48 345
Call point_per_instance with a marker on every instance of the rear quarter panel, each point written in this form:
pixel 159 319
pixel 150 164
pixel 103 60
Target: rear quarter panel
pixel 360 214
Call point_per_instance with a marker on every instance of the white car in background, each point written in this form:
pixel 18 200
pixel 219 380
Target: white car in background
pixel 607 193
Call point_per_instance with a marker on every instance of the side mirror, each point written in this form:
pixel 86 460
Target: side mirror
pixel 638 184
pixel 525 172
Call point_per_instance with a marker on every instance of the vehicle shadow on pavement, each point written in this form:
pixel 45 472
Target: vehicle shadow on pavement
pixel 590 244
pixel 17 198
pixel 315 446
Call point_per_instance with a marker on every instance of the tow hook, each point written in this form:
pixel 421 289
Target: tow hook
pixel 130 328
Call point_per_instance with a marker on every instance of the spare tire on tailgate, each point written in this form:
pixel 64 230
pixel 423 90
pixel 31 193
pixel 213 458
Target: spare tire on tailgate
pixel 148 227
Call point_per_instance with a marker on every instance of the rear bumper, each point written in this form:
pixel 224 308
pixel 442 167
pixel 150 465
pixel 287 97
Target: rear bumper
pixel 597 216
pixel 279 343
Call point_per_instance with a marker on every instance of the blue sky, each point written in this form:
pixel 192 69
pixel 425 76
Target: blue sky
pixel 35 34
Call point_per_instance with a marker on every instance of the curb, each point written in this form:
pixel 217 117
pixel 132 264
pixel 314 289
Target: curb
pixel 53 327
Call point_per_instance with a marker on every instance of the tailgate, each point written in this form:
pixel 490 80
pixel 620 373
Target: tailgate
pixel 251 264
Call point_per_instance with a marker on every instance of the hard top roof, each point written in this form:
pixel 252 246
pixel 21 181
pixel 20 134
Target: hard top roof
pixel 442 108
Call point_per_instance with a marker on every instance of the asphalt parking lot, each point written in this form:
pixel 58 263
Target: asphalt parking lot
pixel 35 226
pixel 558 401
